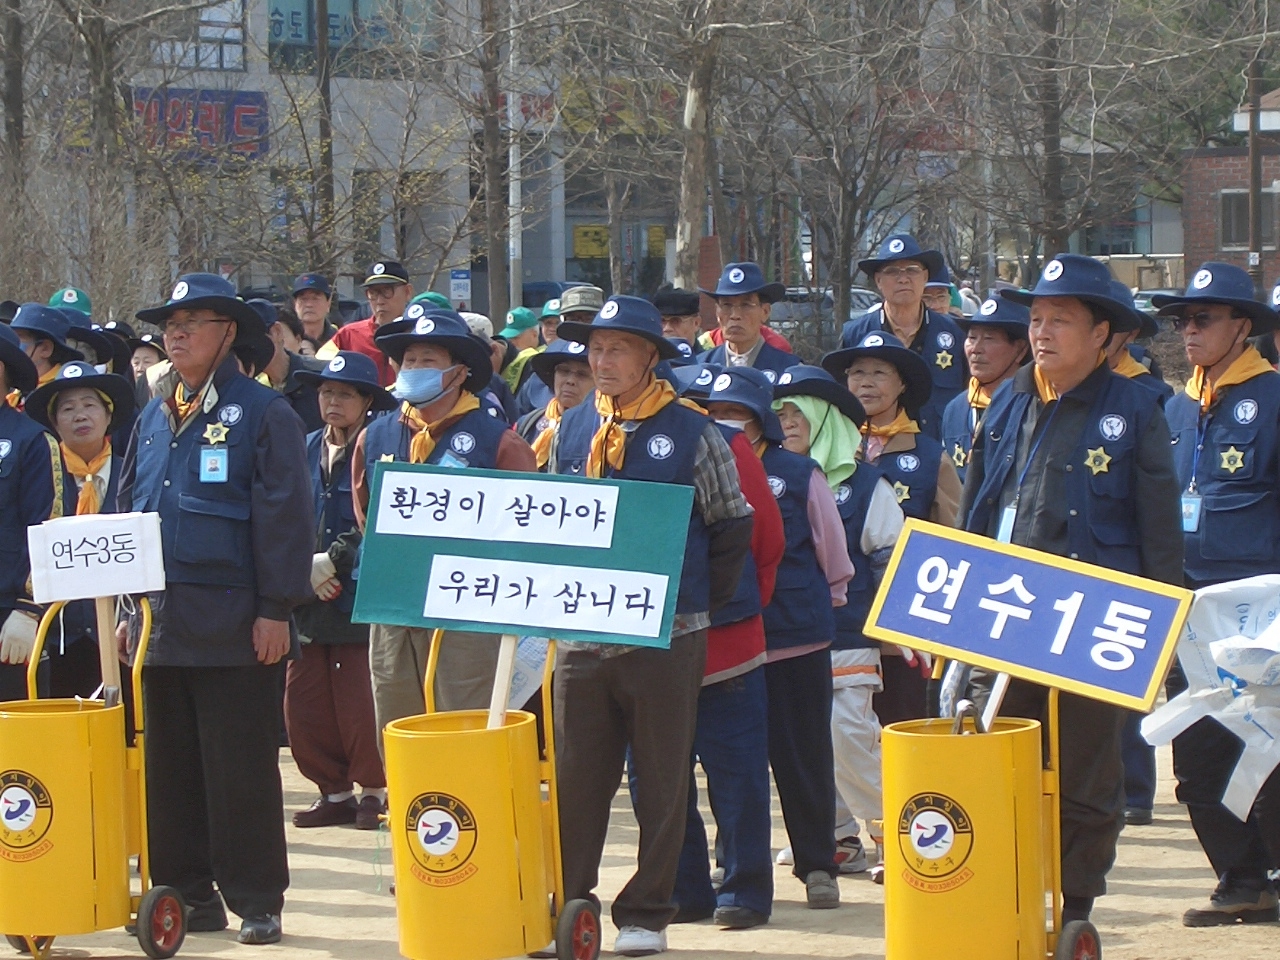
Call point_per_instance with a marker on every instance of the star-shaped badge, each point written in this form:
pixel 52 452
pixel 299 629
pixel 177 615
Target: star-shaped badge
pixel 216 433
pixel 958 456
pixel 387 458
pixel 901 491
pixel 943 359
pixel 1232 460
pixel 1098 460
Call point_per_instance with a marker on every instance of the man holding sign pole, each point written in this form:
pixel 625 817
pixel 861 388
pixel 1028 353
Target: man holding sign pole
pixel 1073 459
pixel 609 697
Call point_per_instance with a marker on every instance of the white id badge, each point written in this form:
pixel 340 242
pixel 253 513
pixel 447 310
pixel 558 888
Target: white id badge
pixel 1190 512
pixel 1007 516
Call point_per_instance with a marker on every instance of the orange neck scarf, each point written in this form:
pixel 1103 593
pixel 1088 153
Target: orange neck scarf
pixel 1129 367
pixel 424 441
pixel 1244 367
pixel 542 442
pixel 609 445
pixel 85 473
pixel 979 394
pixel 184 405
pixel 49 375
pixel 1048 394
pixel 901 424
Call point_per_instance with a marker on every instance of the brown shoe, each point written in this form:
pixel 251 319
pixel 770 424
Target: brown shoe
pixel 369 813
pixel 325 813
pixel 1227 907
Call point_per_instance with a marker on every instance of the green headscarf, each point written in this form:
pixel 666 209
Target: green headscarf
pixel 833 438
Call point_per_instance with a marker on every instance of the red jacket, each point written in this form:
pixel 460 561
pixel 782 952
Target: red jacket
pixel 772 337
pixel 736 648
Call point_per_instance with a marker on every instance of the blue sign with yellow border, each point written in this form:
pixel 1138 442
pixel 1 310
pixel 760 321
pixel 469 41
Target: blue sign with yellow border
pixel 1081 628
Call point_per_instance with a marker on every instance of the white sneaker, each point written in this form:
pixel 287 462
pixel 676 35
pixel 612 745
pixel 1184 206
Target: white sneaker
pixel 850 856
pixel 640 942
pixel 784 857
pixel 717 877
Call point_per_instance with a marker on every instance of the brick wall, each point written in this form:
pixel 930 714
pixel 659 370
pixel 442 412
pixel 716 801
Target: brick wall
pixel 1205 174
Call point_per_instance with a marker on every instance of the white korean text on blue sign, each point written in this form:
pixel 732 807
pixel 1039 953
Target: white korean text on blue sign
pixel 1074 626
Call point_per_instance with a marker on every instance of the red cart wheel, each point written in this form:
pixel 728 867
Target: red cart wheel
pixel 578 931
pixel 162 923
pixel 1079 940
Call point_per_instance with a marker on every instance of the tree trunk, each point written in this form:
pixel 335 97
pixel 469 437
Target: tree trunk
pixel 719 208
pixel 107 220
pixel 1056 235
pixel 493 154
pixel 693 169
pixel 618 197
pixel 322 234
pixel 14 173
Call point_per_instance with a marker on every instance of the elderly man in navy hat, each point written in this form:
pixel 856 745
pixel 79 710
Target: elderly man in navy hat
pixel 33 488
pixel 742 301
pixel 43 332
pixel 900 271
pixel 312 297
pixel 389 291
pixel 223 460
pixel 1074 460
pixel 1226 435
pixel 995 346
pixel 609 696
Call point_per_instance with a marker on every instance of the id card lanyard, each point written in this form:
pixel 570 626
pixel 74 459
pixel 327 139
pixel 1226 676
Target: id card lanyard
pixel 1004 534
pixel 1191 502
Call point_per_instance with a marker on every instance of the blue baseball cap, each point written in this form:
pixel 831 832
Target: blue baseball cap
pixel 355 370
pixel 1222 283
pixel 902 246
pixel 804 380
pixel 750 388
pixel 1085 279
pixel 311 281
pixel 739 279
pixel 623 314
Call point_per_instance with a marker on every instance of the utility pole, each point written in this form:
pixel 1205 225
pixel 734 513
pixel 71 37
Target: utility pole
pixel 322 244
pixel 515 187
pixel 1255 165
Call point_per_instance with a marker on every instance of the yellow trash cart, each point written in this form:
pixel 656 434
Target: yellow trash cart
pixel 475 831
pixel 72 812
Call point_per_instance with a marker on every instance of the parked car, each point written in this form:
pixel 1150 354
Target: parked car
pixel 1142 299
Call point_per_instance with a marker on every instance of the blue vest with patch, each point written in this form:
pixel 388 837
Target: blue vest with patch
pixel 770 360
pixel 1237 478
pixel 959 421
pixel 746 599
pixel 941 346
pixel 470 442
pixel 1102 524
pixel 335 510
pixel 853 498
pixel 205 528
pixel 913 474
pixel 660 450
pixel 800 612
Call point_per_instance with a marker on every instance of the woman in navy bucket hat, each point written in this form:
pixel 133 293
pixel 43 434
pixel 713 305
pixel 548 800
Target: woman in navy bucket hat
pixel 900 272
pixel 563 369
pixel 1226 447
pixel 742 301
pixel 328 702
pixel 43 332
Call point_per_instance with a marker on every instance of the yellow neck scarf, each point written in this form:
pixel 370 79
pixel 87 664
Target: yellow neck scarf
pixel 89 501
pixel 424 441
pixel 609 445
pixel 542 442
pixel 14 399
pixel 979 394
pixel 1046 390
pixel 183 405
pixel 49 375
pixel 901 424
pixel 1129 367
pixel 1244 367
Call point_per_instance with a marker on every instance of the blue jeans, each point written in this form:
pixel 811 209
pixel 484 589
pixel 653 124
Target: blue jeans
pixel 1139 765
pixel 732 744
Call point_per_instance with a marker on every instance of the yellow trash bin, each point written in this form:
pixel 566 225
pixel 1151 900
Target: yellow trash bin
pixel 965 843
pixel 467 836
pixel 63 868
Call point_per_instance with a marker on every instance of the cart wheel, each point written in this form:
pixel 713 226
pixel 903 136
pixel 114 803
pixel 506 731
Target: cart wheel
pixel 162 922
pixel 20 943
pixel 1079 940
pixel 578 931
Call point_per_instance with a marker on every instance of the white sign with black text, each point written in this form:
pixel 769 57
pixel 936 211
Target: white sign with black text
pixel 97 555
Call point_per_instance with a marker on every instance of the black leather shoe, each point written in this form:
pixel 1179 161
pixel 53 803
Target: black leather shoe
pixel 325 813
pixel 1137 816
pixel 739 918
pixel 206 916
pixel 685 915
pixel 260 930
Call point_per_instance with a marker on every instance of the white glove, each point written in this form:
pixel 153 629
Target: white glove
pixel 18 637
pixel 914 657
pixel 322 569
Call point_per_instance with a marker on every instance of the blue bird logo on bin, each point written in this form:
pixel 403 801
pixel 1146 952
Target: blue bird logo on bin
pixel 26 813
pixel 441 832
pixel 935 837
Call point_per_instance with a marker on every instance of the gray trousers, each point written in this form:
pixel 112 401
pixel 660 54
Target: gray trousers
pixel 398 669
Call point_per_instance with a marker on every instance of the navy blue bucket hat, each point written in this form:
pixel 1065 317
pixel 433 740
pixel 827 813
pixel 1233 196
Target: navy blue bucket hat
pixel 78 373
pixel 447 329
pixel 1085 279
pixel 1009 315
pixel 750 388
pixel 355 370
pixel 195 291
pixel 804 380
pixel 623 314
pixel 1148 326
pixel 83 331
pixel 266 311
pixel 695 379
pixel 20 372
pixel 885 346
pixel 902 246
pixel 740 279
pixel 561 351
pixel 685 348
pixel 47 323
pixel 1220 283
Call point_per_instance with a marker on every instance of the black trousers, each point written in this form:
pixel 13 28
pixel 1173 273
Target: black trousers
pixel 802 758
pixel 215 808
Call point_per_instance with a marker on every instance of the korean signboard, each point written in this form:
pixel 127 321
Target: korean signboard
pixel 518 553
pixel 1081 628
pixel 97 555
pixel 208 125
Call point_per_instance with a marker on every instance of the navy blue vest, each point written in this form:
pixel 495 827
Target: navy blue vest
pixel 473 440
pixel 746 599
pixel 1102 526
pixel 1153 383
pixel 913 474
pixel 1237 477
pixel 27 474
pixel 79 618
pixel 941 346
pixel 205 528
pixel 800 612
pixel 853 497
pixel 660 450
pixel 335 510
pixel 959 421
pixel 770 360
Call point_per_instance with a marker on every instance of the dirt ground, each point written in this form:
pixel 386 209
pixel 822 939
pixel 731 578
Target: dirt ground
pixel 338 905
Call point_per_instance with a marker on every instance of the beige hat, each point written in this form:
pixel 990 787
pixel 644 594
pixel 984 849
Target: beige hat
pixel 581 299
pixel 479 324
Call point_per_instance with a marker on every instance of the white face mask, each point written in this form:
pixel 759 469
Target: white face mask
pixel 100 367
pixel 736 424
